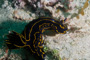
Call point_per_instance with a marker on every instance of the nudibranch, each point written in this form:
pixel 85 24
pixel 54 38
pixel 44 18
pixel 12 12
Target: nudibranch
pixel 32 35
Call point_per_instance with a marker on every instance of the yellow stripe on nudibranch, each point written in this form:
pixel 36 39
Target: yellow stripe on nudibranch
pixel 19 46
pixel 8 43
pixel 31 48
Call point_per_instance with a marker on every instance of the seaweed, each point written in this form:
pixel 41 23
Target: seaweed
pixel 81 10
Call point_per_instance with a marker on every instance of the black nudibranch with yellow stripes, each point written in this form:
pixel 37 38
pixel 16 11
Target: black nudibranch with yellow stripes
pixel 32 35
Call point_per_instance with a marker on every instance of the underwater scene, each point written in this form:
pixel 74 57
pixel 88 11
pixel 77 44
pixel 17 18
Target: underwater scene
pixel 44 29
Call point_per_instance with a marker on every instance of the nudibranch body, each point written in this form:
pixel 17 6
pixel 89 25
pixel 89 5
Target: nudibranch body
pixel 32 35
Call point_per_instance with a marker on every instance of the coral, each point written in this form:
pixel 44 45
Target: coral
pixel 48 2
pixel 45 7
pixel 17 14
